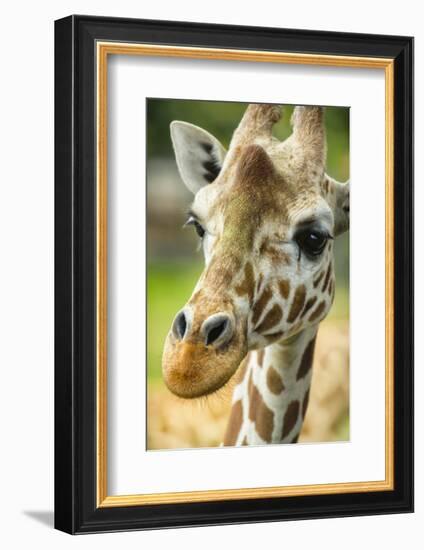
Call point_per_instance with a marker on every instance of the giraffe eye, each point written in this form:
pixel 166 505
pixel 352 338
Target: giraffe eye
pixel 199 228
pixel 312 242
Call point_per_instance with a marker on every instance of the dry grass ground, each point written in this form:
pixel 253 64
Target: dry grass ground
pixel 176 423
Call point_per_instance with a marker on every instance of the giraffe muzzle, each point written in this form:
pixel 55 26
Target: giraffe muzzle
pixel 201 354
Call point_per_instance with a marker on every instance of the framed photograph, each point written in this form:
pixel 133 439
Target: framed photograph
pixel 234 274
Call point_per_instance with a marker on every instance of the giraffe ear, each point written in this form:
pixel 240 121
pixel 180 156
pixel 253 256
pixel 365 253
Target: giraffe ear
pixel 342 208
pixel 198 153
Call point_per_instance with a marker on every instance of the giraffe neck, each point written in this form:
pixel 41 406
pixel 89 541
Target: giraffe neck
pixel 270 400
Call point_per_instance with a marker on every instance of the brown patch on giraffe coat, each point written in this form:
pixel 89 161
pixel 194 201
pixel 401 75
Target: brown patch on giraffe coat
pixel 284 288
pixel 327 277
pixel 273 317
pixel 290 418
pixel 234 424
pixel 308 305
pixel 305 404
pixel 306 361
pixel 250 385
pixel 297 304
pixel 274 381
pixel 260 304
pixel 318 279
pixel 260 414
pixel 317 313
pixel 247 287
pixel 276 255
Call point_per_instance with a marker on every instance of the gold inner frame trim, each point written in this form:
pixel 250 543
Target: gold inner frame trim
pixel 104 49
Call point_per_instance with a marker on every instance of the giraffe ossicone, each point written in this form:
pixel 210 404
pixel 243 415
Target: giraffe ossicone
pixel 267 214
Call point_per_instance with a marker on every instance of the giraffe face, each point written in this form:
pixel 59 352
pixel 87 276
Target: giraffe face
pixel 267 223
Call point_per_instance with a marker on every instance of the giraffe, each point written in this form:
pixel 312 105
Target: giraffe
pixel 267 214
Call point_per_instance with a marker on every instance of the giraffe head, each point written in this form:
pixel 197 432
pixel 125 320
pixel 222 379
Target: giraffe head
pixel 267 214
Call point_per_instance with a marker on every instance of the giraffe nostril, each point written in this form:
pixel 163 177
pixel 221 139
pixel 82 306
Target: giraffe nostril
pixel 179 327
pixel 215 332
pixel 217 329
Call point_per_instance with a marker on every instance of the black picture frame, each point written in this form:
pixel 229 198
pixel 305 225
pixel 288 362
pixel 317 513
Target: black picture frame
pixel 76 508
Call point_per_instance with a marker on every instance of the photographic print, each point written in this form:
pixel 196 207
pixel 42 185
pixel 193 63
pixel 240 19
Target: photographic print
pixel 247 274
pixel 216 307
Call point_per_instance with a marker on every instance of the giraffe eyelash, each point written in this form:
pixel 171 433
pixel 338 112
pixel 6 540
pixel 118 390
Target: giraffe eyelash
pixel 200 230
